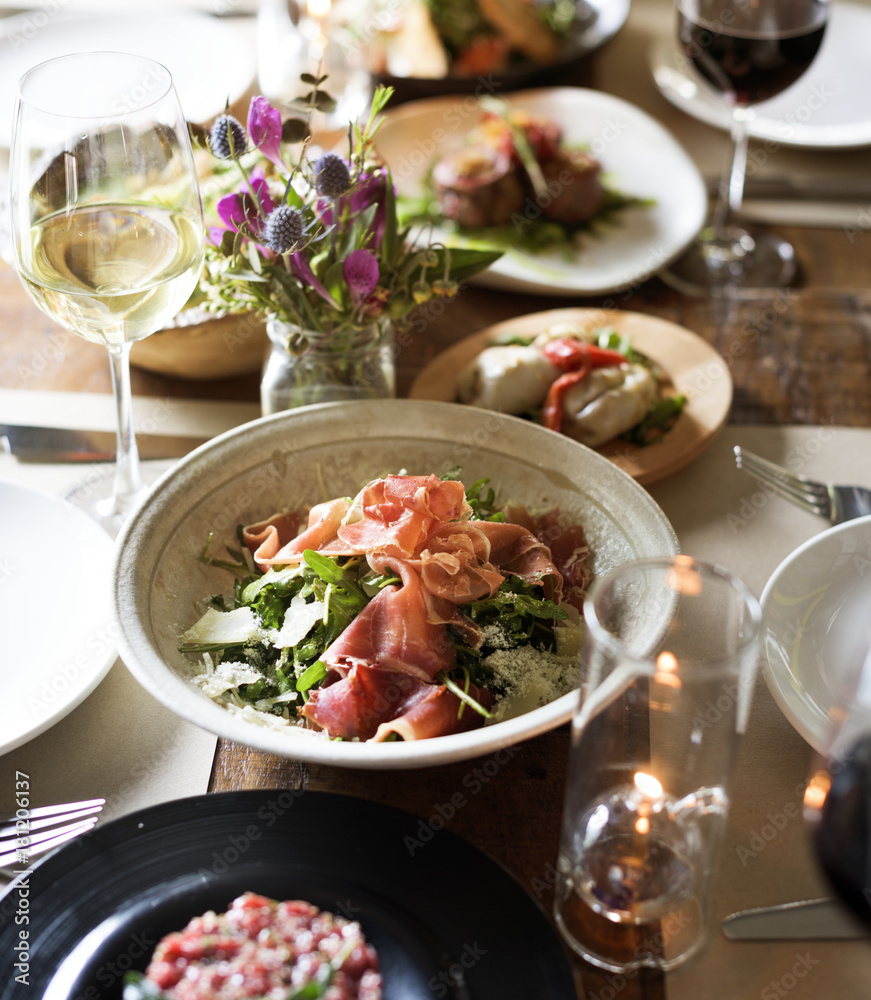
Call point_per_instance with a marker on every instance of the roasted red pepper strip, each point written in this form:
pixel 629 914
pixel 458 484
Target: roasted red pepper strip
pixel 568 354
pixel 576 359
pixel 552 411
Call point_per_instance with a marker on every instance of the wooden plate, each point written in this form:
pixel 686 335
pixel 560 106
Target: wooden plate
pixel 690 366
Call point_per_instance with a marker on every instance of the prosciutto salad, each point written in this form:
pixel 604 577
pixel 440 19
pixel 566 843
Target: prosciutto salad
pixel 415 609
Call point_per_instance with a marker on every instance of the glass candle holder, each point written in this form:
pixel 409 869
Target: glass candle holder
pixel 667 675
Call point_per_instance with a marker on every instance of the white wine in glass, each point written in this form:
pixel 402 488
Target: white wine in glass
pixel 107 223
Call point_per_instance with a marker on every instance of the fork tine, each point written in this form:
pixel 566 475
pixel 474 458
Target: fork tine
pixel 748 461
pixel 58 814
pixel 810 496
pixel 47 841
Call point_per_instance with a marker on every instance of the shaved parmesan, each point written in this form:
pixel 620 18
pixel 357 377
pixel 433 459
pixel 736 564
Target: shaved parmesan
pixel 299 619
pixel 227 676
pixel 224 628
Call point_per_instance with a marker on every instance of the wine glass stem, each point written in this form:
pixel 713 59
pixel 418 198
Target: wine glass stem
pixel 128 479
pixel 731 194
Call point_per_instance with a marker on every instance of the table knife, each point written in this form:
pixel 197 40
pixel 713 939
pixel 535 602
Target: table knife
pixel 804 920
pixel 59 444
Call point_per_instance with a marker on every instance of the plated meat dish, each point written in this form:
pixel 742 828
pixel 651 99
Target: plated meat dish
pixel 586 382
pixel 415 609
pixel 514 168
pixel 265 949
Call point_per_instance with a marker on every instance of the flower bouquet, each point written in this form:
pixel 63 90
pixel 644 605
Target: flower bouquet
pixel 313 243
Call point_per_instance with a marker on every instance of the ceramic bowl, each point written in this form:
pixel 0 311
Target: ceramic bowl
pixel 298 457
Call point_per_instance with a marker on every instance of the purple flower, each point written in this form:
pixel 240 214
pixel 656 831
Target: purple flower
pixel 264 127
pixel 302 271
pixel 227 138
pixel 332 177
pixel 371 189
pixel 245 212
pixel 360 270
pixel 284 228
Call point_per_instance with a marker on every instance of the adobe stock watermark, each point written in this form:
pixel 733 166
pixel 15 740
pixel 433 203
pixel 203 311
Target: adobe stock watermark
pixel 473 782
pixel 69 673
pixel 796 461
pixel 453 977
pixel 34 21
pixel 21 894
pixel 777 821
pixel 789 980
pixel 239 844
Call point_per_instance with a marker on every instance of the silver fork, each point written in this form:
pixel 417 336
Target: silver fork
pixel 836 503
pixel 34 831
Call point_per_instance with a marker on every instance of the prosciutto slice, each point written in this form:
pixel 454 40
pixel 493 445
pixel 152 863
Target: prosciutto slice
pixel 399 512
pixel 354 706
pixel 272 545
pixel 437 714
pixel 393 632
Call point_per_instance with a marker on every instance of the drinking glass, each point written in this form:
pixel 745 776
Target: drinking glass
pixel 748 52
pixel 107 223
pixel 667 674
pixel 837 801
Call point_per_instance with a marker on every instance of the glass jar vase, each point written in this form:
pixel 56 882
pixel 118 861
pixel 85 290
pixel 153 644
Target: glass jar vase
pixel 306 366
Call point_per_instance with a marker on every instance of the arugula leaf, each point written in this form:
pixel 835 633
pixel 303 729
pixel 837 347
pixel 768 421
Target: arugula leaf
pixel 311 676
pixel 660 418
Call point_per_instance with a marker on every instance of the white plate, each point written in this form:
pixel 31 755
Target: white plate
pixel 817 629
pixel 639 157
pixel 208 63
pixel 55 566
pixel 827 107
pixel 279 462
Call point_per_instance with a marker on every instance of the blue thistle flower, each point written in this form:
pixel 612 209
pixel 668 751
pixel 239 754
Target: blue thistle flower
pixel 331 176
pixel 225 128
pixel 283 229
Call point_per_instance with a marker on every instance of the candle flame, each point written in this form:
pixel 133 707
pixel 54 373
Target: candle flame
pixel 642 825
pixel 817 790
pixel 647 785
pixel 666 661
pixel 666 665
pixel 684 578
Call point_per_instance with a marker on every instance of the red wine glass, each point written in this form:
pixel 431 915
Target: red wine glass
pixel 747 52
pixel 837 803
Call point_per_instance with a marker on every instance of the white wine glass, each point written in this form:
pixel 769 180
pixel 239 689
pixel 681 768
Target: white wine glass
pixel 107 223
pixel 747 52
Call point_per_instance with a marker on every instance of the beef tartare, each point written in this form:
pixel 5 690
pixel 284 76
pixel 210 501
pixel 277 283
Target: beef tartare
pixel 263 948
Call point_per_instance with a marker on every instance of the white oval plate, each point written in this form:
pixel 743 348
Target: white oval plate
pixel 638 155
pixel 292 458
pixel 209 65
pixel 55 565
pixel 816 627
pixel 826 108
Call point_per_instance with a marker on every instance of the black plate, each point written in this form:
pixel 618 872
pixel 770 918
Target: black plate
pixel 447 920
pixel 596 22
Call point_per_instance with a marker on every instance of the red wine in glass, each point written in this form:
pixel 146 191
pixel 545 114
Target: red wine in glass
pixel 838 804
pixel 749 66
pixel 748 52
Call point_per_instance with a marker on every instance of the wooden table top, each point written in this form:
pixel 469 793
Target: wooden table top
pixel 783 373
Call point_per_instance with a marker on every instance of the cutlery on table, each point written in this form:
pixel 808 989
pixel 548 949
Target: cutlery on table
pixel 35 831
pixel 803 920
pixel 60 444
pixel 836 503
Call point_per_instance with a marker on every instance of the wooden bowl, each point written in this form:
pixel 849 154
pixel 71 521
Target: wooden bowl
pixel 201 346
